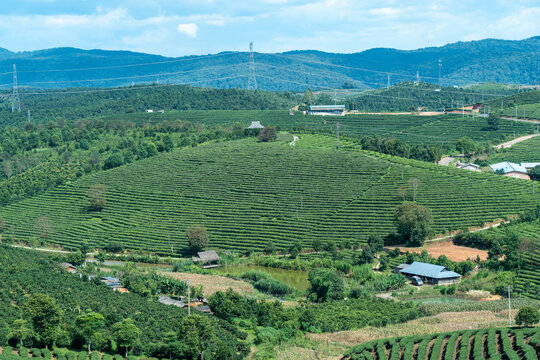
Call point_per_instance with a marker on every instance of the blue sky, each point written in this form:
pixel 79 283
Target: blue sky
pixel 186 27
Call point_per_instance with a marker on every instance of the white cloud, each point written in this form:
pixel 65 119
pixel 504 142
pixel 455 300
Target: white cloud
pixel 190 29
pixel 385 11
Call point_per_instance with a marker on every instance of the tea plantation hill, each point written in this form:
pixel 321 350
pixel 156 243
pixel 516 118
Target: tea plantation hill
pixel 527 103
pixel 525 151
pixel 494 343
pixel 249 193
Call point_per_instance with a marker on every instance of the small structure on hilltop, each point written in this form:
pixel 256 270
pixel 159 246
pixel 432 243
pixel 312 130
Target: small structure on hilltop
pixel 338 110
pixel 209 259
pixel 255 125
pixel 510 169
pixel 434 274
pixel 468 166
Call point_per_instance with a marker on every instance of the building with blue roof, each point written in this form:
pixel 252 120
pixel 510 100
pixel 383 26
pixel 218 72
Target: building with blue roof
pixel 430 273
pixel 510 169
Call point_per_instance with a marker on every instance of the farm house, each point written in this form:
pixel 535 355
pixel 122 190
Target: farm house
pixel 327 110
pixel 434 274
pixel 510 169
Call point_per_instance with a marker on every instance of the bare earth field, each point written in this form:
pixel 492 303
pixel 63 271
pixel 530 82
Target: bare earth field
pixel 212 283
pixel 448 248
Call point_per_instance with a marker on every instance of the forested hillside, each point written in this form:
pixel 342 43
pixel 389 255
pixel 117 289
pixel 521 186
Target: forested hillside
pixel 492 60
pixel 78 103
pixel 248 194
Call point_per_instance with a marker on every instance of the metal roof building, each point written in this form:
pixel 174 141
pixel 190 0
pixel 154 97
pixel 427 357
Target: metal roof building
pixel 327 110
pixel 530 165
pixel 435 274
pixel 511 169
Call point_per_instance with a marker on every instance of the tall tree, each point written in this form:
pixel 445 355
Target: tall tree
pixel 197 333
pixel 89 323
pixel 46 316
pixel 413 222
pixel 126 333
pixel 96 196
pixel 197 237
pixel 325 284
pixel 20 330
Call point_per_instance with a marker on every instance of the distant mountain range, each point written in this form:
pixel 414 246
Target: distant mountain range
pixel 490 60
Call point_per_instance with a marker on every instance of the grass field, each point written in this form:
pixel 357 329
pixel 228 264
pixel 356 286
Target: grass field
pixel 493 343
pixel 248 193
pixel 444 129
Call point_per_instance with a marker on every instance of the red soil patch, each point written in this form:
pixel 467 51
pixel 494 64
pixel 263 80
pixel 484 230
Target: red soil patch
pixel 452 252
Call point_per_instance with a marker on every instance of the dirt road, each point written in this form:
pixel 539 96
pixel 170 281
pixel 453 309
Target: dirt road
pixel 515 141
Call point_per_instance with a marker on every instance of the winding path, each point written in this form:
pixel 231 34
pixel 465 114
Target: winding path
pixel 515 141
pixel 294 140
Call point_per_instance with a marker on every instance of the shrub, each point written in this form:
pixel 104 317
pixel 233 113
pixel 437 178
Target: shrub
pixel 273 287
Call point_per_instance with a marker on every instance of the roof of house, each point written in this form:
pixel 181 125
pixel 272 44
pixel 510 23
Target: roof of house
pixel 206 256
pixel 327 107
pixel 255 125
pixel 467 165
pixel 402 266
pixel 66 265
pixel 507 167
pixel 429 270
pixel 530 165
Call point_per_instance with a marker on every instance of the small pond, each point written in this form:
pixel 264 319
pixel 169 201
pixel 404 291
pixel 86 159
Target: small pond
pixel 295 278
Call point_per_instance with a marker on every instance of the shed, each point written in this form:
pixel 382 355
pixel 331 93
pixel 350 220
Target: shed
pixel 70 268
pixel 255 125
pixel 468 166
pixel 400 267
pixel 207 257
pixel 435 274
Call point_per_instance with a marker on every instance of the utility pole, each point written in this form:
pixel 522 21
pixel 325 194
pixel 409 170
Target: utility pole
pixel 417 77
pixel 15 101
pixel 188 299
pixel 388 81
pixel 337 134
pixel 509 313
pixel 28 115
pixel 252 80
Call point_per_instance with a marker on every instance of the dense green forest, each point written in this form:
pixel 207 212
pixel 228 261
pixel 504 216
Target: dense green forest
pixel 502 61
pixel 78 103
pixel 163 330
pixel 248 193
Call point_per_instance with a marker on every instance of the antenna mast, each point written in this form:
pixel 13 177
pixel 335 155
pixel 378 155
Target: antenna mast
pixel 252 80
pixel 15 101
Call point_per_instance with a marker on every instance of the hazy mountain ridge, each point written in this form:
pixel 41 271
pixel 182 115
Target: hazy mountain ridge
pixel 508 61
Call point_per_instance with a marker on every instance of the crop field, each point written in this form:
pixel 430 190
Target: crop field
pixel 494 343
pixel 248 193
pixel 525 151
pixel 444 129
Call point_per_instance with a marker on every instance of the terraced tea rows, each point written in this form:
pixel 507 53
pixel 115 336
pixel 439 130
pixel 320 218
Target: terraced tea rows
pixel 501 343
pixel 528 276
pixel 248 193
pixel 444 129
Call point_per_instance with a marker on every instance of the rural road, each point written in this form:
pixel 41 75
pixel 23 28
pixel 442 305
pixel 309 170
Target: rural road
pixel 515 141
pixel 294 140
pixel 521 120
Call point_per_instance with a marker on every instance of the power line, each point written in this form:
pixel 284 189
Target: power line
pixel 15 101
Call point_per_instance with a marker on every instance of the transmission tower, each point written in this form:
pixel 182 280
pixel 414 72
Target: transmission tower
pixel 252 80
pixel 15 101
pixel 440 68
